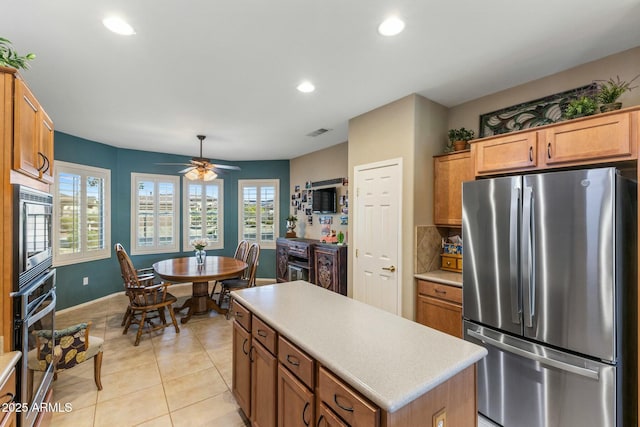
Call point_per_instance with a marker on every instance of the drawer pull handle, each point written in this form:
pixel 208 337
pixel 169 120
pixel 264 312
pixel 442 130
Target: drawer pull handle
pixel 335 399
pixel 304 411
pixel 530 153
pixel 320 420
pixel 239 314
pixel 292 360
pixel 438 291
pixel 251 354
pixel 262 333
pixel 243 344
pixel 448 262
pixel 11 397
pixel 549 150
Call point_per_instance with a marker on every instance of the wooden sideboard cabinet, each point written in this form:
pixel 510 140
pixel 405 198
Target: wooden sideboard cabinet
pixel 439 307
pixel 330 263
pixel 450 171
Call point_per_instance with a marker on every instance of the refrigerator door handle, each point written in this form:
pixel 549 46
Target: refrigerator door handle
pixel 578 370
pixel 527 256
pixel 513 253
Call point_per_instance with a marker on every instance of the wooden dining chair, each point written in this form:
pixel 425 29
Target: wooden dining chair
pixel 241 254
pixel 145 297
pixel 248 277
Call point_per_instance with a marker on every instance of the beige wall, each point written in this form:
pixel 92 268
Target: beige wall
pixel 410 128
pixel 318 166
pixel 625 64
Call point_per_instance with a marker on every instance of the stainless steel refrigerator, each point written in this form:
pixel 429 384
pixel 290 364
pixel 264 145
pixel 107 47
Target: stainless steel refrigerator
pixel 549 288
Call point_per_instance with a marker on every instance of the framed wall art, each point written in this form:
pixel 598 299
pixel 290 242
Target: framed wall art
pixel 530 114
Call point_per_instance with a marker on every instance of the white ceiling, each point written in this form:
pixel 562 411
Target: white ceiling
pixel 229 69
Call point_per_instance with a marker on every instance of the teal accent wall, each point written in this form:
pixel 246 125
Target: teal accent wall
pixel 104 275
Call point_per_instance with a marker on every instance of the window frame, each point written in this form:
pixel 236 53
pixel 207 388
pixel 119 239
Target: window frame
pixel 259 183
pixel 84 255
pixel 156 178
pixel 186 241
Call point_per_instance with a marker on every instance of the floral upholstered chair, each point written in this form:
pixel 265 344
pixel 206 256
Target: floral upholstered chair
pixel 71 346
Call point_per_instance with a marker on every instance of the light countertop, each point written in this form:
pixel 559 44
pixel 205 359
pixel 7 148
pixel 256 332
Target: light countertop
pixel 441 276
pixel 389 359
pixel 7 363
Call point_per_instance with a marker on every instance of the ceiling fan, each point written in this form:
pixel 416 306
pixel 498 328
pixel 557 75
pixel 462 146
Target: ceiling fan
pixel 200 168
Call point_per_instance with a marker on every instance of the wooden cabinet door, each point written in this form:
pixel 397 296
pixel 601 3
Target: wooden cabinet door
pixel 330 268
pixel 45 147
pixel 241 368
pixel 326 418
pixel 263 386
pixel 439 314
pixel 295 402
pixel 588 140
pixel 26 131
pixel 282 262
pixel 507 153
pixel 450 171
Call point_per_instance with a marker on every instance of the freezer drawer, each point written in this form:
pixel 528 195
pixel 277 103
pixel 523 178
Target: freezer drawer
pixel 528 385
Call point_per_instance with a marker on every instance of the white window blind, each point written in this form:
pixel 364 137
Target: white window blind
pixel 155 213
pixel 203 213
pixel 258 211
pixel 82 229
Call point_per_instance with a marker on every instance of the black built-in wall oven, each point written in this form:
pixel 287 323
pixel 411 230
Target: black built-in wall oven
pixel 34 294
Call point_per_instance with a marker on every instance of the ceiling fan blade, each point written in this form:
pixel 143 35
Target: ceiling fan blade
pixel 229 167
pixel 172 164
pixel 190 168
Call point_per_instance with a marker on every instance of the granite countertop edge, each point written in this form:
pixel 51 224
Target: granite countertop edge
pixel 7 362
pixel 441 276
pixel 389 396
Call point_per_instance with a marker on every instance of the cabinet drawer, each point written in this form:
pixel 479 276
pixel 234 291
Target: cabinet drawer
pixel 451 263
pixel 438 290
pixel 346 402
pixel 296 361
pixel 264 333
pixel 242 315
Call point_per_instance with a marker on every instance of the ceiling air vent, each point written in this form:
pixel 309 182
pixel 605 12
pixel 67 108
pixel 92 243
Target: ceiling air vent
pixel 318 132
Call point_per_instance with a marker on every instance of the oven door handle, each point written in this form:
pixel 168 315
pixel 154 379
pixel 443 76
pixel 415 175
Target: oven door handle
pixel 35 285
pixel 42 313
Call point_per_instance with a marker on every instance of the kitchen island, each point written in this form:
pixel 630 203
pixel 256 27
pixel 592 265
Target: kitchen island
pixel 325 357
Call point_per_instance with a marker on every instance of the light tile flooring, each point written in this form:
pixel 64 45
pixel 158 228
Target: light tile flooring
pixel 170 379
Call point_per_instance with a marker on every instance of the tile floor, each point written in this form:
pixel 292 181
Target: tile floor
pixel 168 380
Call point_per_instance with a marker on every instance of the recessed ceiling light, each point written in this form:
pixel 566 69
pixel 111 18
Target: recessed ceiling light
pixel 118 26
pixel 391 26
pixel 306 87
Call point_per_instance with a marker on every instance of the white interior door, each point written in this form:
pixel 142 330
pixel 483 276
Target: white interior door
pixel 377 235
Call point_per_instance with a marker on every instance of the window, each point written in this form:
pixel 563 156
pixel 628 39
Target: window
pixel 203 218
pixel 155 213
pixel 258 211
pixel 81 213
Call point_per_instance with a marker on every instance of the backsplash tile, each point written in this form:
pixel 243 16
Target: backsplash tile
pixel 428 248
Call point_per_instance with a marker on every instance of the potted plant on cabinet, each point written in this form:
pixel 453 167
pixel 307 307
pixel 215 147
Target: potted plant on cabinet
pixel 291 225
pixel 10 58
pixel 458 139
pixel 580 107
pixel 610 90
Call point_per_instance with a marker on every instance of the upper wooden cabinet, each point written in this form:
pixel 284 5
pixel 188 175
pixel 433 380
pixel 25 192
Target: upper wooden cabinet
pixel 508 153
pixel 32 135
pixel 450 171
pixel 603 138
pixel 583 141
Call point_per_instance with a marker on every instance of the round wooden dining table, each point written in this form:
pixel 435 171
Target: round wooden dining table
pixel 187 270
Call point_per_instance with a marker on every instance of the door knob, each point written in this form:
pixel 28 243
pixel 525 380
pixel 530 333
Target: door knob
pixel 391 269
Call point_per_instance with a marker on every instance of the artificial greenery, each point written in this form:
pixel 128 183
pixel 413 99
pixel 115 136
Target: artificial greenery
pixel 610 90
pixel 292 218
pixel 584 106
pixel 9 57
pixel 461 134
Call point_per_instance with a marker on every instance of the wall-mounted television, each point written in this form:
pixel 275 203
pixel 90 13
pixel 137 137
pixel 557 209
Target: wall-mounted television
pixel 324 200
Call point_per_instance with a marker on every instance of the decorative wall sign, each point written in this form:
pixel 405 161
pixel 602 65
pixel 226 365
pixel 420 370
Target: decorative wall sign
pixel 530 114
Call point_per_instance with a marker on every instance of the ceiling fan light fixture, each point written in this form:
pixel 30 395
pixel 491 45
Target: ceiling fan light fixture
pixel 391 26
pixel 118 25
pixel 200 174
